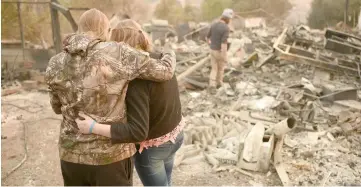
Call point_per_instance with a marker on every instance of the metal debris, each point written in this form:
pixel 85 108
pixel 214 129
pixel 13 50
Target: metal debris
pixel 277 91
pixel 268 94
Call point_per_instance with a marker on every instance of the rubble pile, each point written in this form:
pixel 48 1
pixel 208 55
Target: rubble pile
pixel 290 105
pixel 276 110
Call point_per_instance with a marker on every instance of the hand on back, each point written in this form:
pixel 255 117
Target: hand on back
pixel 84 124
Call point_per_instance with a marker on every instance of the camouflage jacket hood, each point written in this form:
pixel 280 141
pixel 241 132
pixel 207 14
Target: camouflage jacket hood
pixel 77 44
pixel 93 76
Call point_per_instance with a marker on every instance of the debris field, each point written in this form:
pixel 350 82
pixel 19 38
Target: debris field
pixel 289 108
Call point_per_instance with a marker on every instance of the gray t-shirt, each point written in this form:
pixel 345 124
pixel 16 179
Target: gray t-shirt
pixel 218 34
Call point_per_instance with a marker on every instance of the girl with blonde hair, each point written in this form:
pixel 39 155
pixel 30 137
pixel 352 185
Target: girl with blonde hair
pixel 91 76
pixel 153 113
pixel 94 23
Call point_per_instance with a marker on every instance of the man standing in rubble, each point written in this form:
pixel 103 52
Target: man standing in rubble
pixel 217 37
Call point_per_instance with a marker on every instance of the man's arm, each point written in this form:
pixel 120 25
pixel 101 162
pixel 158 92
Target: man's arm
pixel 224 43
pixel 224 51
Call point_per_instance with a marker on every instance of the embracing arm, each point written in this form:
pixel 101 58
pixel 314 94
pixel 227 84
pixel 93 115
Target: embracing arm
pixel 144 67
pixel 136 129
pixel 101 129
pixel 160 69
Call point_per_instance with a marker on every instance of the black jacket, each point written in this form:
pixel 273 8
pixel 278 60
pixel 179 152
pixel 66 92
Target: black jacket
pixel 153 110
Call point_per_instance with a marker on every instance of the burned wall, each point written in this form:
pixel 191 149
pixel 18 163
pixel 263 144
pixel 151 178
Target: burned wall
pixel 16 62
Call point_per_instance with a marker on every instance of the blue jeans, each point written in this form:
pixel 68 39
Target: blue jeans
pixel 155 164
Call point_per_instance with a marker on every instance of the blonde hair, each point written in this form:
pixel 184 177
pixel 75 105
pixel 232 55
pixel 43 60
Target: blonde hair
pixel 94 23
pixel 130 32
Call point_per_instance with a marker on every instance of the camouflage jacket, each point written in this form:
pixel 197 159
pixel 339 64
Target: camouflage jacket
pixel 93 76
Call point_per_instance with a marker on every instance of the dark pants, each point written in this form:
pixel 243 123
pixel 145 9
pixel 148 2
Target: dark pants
pixel 115 174
pixel 155 164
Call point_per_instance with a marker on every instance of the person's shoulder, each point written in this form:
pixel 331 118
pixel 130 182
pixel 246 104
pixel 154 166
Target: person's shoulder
pixel 56 63
pixel 106 45
pixel 221 25
pixel 129 49
pixel 118 49
pixel 215 24
pixel 224 25
pixel 58 58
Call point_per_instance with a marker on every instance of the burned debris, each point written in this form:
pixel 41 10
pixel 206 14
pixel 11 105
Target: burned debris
pixel 289 97
pixel 290 104
pixel 287 49
pixel 342 42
